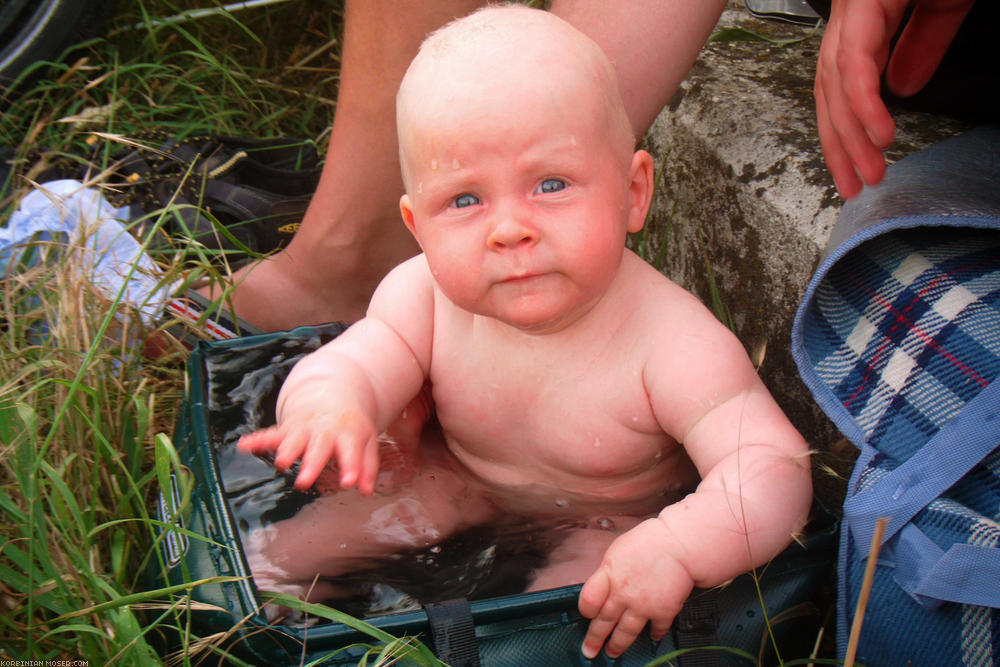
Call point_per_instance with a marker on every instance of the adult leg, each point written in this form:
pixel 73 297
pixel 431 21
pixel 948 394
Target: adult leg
pixel 352 233
pixel 652 44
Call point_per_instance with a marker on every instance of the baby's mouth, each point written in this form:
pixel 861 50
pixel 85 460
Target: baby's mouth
pixel 523 276
pixel 524 282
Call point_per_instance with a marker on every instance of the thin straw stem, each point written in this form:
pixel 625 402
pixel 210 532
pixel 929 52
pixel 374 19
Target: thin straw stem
pixel 866 589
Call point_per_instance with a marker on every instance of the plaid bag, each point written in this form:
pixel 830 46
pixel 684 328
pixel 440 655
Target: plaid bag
pixel 898 338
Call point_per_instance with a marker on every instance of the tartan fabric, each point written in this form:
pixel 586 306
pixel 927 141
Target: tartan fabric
pixel 911 326
pixel 898 331
pixel 906 329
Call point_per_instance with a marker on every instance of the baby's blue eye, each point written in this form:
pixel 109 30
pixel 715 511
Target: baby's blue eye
pixel 461 201
pixel 551 185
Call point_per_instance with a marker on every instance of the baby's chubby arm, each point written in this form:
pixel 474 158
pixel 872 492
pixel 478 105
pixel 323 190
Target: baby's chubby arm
pixel 755 492
pixel 338 399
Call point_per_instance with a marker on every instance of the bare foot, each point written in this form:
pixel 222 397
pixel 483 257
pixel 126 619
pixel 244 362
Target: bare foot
pixel 314 281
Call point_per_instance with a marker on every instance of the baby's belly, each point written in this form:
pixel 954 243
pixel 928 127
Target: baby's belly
pixel 540 491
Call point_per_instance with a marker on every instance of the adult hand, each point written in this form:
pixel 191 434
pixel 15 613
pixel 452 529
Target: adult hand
pixel 854 124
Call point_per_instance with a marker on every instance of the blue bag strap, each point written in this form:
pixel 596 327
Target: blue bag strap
pixel 964 573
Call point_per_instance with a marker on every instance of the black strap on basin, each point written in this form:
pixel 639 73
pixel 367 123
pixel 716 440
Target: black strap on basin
pixel 696 626
pixel 453 632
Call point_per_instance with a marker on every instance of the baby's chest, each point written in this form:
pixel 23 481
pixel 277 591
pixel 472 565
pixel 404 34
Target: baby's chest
pixel 591 417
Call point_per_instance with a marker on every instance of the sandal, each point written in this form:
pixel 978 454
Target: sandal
pixel 242 196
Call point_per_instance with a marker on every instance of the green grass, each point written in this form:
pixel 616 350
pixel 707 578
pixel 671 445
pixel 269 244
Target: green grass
pixel 83 416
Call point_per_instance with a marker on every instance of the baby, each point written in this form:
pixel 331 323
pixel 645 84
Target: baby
pixel 569 378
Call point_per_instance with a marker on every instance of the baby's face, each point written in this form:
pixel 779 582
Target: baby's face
pixel 521 202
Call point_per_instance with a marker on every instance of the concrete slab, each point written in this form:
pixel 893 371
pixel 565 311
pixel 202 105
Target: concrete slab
pixel 744 196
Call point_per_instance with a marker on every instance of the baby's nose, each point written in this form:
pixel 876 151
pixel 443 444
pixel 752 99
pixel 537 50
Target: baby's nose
pixel 510 232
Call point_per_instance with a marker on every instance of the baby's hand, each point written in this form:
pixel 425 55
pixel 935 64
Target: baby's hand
pixel 315 439
pixel 637 582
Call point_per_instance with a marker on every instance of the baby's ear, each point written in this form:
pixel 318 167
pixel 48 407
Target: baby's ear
pixel 406 209
pixel 640 189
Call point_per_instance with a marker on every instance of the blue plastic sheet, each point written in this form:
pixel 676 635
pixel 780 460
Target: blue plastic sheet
pixel 63 216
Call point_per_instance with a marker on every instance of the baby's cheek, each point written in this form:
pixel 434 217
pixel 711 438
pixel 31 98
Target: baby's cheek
pixel 599 254
pixel 460 284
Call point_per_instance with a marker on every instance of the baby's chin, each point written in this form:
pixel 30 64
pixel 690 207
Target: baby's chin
pixel 544 305
pixel 540 323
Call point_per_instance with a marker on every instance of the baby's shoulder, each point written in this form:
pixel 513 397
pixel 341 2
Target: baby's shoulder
pixel 412 269
pixel 675 321
pixel 657 295
pixel 407 281
pixel 405 297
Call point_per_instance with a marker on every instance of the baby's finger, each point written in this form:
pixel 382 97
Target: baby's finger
pixel 369 466
pixel 595 603
pixel 290 449
pixel 594 593
pixel 863 98
pixel 659 629
pixel 862 50
pixel 923 43
pixel 351 447
pixel 599 630
pixel 317 455
pixel 629 626
pixel 837 161
pixel 260 442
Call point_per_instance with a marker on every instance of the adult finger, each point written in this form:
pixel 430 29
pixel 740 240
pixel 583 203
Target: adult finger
pixel 865 36
pixel 837 161
pixel 923 44
pixel 855 113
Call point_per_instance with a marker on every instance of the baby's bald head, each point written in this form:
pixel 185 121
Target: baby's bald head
pixel 507 60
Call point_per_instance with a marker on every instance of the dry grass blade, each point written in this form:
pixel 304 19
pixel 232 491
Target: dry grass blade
pixel 866 588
